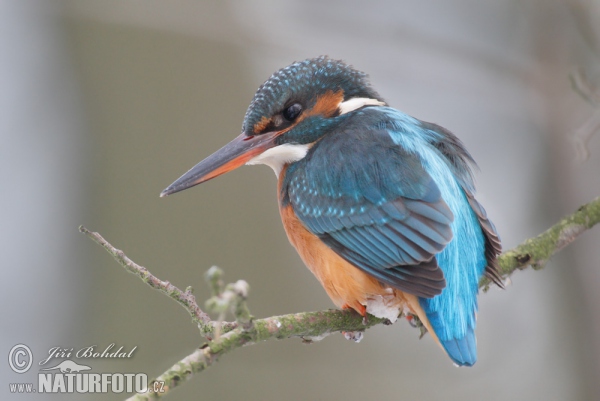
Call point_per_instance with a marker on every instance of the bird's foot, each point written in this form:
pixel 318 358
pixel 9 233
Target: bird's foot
pixel 415 322
pixel 355 336
pixel 357 307
pixel 360 309
pixel 411 320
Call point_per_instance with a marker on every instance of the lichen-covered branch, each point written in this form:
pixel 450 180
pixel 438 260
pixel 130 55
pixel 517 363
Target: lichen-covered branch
pixel 307 325
pixel 246 330
pixel 537 251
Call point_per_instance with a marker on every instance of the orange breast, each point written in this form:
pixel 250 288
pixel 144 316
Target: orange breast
pixel 346 285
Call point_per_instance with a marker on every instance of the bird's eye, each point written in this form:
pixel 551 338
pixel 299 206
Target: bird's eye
pixel 292 112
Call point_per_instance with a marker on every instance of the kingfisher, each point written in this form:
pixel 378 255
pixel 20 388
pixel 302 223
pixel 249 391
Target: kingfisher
pixel 379 205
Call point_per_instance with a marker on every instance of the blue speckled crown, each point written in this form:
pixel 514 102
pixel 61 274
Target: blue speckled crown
pixel 303 81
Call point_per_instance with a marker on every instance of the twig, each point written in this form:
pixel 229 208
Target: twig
pixel 231 298
pixel 582 135
pixel 534 252
pixel 588 92
pixel 583 87
pixel 184 298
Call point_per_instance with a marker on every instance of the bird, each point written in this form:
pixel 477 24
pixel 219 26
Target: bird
pixel 379 205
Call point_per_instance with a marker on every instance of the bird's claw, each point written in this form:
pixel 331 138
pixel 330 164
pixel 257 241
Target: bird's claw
pixel 355 336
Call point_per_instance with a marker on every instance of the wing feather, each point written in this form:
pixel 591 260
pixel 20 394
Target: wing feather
pixel 381 211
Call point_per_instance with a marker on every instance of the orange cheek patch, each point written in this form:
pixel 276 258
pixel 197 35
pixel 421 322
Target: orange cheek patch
pixel 327 104
pixel 261 125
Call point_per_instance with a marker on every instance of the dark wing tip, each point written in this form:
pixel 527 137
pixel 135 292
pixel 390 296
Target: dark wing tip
pixel 493 247
pixel 492 273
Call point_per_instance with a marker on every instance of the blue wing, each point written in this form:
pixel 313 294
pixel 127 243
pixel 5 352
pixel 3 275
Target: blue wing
pixel 459 160
pixel 388 197
pixel 374 204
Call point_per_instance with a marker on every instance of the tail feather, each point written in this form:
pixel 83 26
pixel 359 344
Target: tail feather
pixel 463 351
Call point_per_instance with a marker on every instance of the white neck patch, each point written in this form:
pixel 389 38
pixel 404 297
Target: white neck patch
pixel 358 102
pixel 281 155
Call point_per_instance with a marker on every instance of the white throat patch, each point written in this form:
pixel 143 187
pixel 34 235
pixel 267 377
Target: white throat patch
pixel 280 155
pixel 358 102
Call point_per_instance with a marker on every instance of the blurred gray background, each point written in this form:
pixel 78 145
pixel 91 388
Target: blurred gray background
pixel 104 103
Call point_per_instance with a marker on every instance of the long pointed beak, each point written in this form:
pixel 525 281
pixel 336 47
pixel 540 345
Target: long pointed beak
pixel 231 156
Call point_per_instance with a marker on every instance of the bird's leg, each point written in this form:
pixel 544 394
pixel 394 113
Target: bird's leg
pixel 358 308
pixel 415 322
pixel 411 320
pixel 356 336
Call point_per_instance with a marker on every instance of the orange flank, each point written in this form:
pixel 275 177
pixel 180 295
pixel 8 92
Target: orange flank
pixel 347 286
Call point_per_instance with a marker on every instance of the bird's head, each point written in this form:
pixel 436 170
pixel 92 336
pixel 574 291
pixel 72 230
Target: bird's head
pixel 292 110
